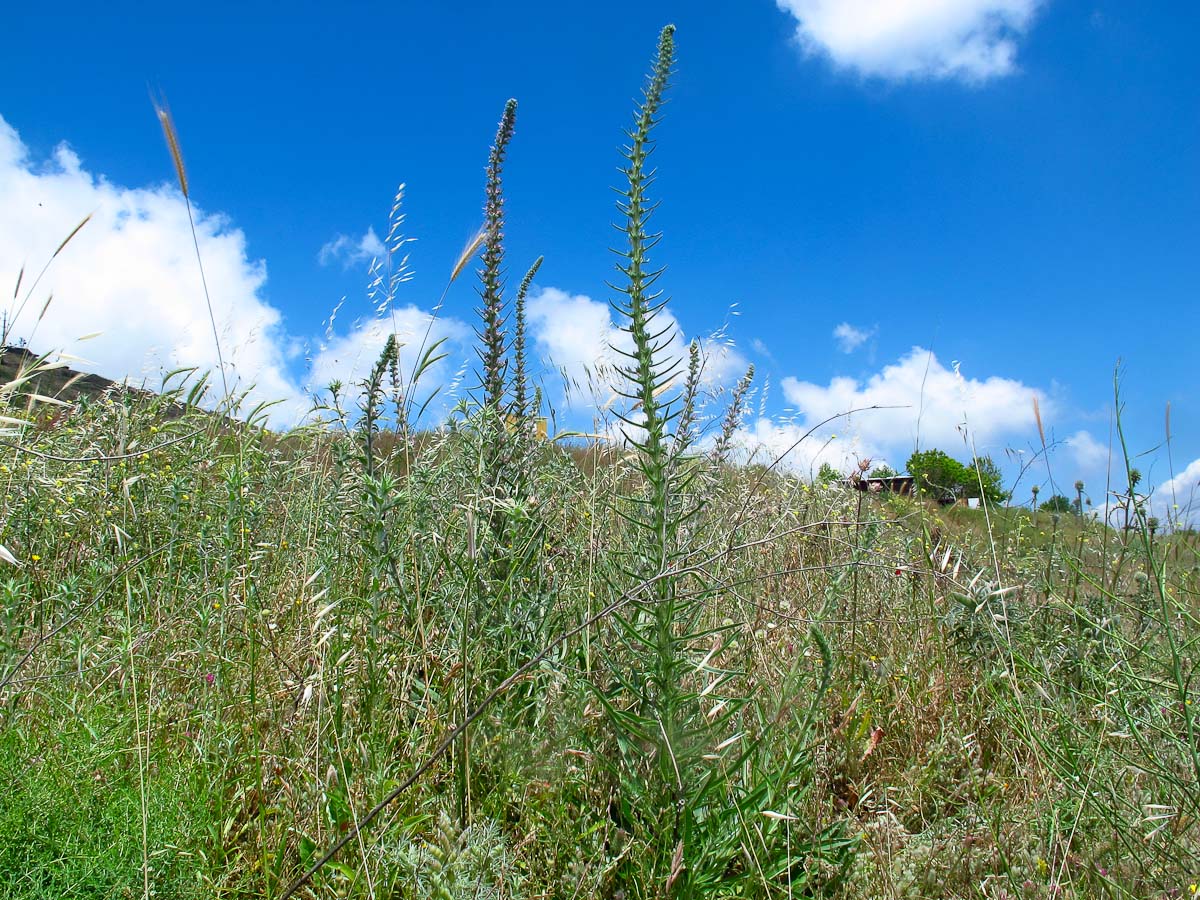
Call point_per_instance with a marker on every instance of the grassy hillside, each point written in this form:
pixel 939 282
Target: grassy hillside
pixel 38 384
pixel 212 665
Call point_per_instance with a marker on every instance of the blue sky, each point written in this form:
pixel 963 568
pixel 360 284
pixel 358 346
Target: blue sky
pixel 1006 185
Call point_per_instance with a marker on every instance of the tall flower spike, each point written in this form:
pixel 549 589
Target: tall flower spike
pixel 520 406
pixel 491 276
pixel 646 376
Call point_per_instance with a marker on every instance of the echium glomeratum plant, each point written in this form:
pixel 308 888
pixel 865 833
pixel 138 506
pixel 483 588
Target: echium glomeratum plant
pixel 692 795
pixel 651 703
pixel 379 501
pixel 491 276
pixel 521 401
pixel 498 463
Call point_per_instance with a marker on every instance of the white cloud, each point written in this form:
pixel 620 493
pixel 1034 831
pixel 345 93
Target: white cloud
pixel 923 402
pixel 352 252
pixel 757 345
pixel 1088 453
pixel 1177 500
pixel 969 39
pixel 572 332
pixel 766 440
pixel 575 335
pixel 1185 484
pixel 850 338
pixel 131 274
pixel 348 357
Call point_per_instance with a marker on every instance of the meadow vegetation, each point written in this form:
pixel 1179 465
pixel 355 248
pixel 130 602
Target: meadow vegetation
pixel 372 658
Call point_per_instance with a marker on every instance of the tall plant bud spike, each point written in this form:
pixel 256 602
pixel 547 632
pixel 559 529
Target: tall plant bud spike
pixel 491 276
pixel 646 375
pixel 520 407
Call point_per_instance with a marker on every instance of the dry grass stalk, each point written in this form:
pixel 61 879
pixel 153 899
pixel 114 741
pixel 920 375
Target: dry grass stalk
pixel 172 137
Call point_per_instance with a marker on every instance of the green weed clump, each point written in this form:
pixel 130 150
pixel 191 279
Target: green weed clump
pixel 369 658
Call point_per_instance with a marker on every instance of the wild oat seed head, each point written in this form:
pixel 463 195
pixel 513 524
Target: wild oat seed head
pixel 168 127
pixel 1037 415
pixel 468 253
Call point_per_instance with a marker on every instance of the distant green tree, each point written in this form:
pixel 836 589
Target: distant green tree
pixel 938 475
pixel 985 472
pixel 827 474
pixel 1057 504
pixel 941 476
pixel 883 472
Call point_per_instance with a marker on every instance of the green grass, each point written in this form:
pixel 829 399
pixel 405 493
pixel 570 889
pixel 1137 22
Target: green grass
pixel 71 813
pixel 251 645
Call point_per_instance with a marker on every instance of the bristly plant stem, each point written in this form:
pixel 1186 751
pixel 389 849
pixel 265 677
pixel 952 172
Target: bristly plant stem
pixel 660 711
pixel 520 383
pixel 491 276
pixel 378 485
pixel 646 375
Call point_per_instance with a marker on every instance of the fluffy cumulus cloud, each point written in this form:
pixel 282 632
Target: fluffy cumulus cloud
pixel 797 447
pixel 130 275
pixel 916 401
pixel 850 338
pixel 1178 500
pixel 352 251
pixel 1087 453
pixel 969 39
pixel 128 281
pixel 347 356
pixel 1175 502
pixel 575 336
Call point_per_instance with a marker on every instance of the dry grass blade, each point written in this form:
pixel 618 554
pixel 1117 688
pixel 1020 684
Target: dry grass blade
pixel 45 306
pixel 677 866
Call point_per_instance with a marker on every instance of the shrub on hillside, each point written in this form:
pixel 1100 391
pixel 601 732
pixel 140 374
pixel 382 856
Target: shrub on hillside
pixel 941 476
